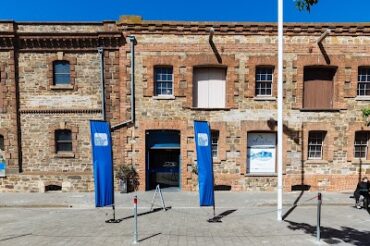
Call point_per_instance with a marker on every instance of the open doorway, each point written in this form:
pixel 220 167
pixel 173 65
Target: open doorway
pixel 162 158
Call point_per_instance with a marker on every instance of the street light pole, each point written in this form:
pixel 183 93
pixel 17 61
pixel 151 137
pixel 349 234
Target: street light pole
pixel 280 113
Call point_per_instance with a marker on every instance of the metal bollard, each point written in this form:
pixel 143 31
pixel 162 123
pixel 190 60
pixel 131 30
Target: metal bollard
pixel 135 221
pixel 319 202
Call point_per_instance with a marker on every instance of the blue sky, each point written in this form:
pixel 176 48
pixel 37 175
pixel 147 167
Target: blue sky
pixel 197 10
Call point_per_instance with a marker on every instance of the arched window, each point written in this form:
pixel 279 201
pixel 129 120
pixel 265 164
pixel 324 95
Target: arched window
pixel 61 72
pixel 63 141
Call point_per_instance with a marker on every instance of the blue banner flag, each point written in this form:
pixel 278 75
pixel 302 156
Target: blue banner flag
pixel 205 164
pixel 102 162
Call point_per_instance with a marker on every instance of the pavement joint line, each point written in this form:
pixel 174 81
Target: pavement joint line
pixel 75 206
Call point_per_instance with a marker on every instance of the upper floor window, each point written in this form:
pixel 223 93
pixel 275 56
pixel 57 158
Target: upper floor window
pixel 361 144
pixel 215 136
pixel 2 145
pixel 61 73
pixel 318 87
pixel 363 85
pixel 163 81
pixel 63 141
pixel 315 145
pixel 264 77
pixel 209 87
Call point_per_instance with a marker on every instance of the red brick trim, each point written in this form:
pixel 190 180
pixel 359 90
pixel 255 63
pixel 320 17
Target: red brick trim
pixel 221 128
pixel 72 62
pixel 328 145
pixel 259 61
pixel 356 62
pixel 352 129
pixel 60 111
pixel 2 88
pixel 318 60
pixel 52 148
pixel 151 62
pixel 231 64
pixel 162 125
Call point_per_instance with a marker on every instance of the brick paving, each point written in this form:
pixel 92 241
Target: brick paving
pixel 252 223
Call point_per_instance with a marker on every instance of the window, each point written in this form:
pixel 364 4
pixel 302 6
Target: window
pixel 215 136
pixel 363 85
pixel 209 87
pixel 361 144
pixel 63 141
pixel 61 73
pixel 2 145
pixel 163 81
pixel 318 87
pixel 264 76
pixel 261 152
pixel 315 145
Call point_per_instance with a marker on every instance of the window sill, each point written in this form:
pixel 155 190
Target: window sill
pixel 64 155
pixel 319 110
pixel 264 98
pixel 209 109
pixel 260 175
pixel 313 162
pixel 169 97
pixel 62 87
pixel 357 161
pixel 362 98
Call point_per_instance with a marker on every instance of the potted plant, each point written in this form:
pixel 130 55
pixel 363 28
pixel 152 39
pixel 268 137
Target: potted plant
pixel 366 115
pixel 128 178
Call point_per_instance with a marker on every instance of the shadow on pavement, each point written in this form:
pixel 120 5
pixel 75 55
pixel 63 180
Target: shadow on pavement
pixel 218 217
pixel 148 237
pixel 144 213
pixel 334 236
pixel 14 237
pixel 294 205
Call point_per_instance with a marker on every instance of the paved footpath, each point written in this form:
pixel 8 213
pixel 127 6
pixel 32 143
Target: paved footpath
pixel 249 219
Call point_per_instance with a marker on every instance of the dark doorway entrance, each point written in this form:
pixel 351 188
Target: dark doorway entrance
pixel 162 158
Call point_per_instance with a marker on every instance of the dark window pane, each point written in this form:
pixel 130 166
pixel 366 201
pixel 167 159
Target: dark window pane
pixel 63 140
pixel 363 85
pixel 163 81
pixel 315 142
pixel 62 79
pixel 64 147
pixel 360 145
pixel 264 81
pixel 2 145
pixel 61 72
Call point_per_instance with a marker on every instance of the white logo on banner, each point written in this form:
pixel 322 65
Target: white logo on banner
pixel 100 139
pixel 202 139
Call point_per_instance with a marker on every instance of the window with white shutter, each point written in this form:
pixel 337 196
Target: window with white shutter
pixel 209 87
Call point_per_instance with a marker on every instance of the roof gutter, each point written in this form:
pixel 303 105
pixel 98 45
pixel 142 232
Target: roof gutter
pixel 133 42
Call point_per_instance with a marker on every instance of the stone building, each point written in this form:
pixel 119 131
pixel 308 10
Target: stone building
pixel 225 73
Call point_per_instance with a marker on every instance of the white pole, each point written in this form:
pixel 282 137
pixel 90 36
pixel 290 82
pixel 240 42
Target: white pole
pixel 280 112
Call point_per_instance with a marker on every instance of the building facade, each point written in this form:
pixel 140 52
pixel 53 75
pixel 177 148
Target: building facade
pixel 224 73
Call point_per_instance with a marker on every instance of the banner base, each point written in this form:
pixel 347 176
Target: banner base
pixel 112 221
pixel 216 219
